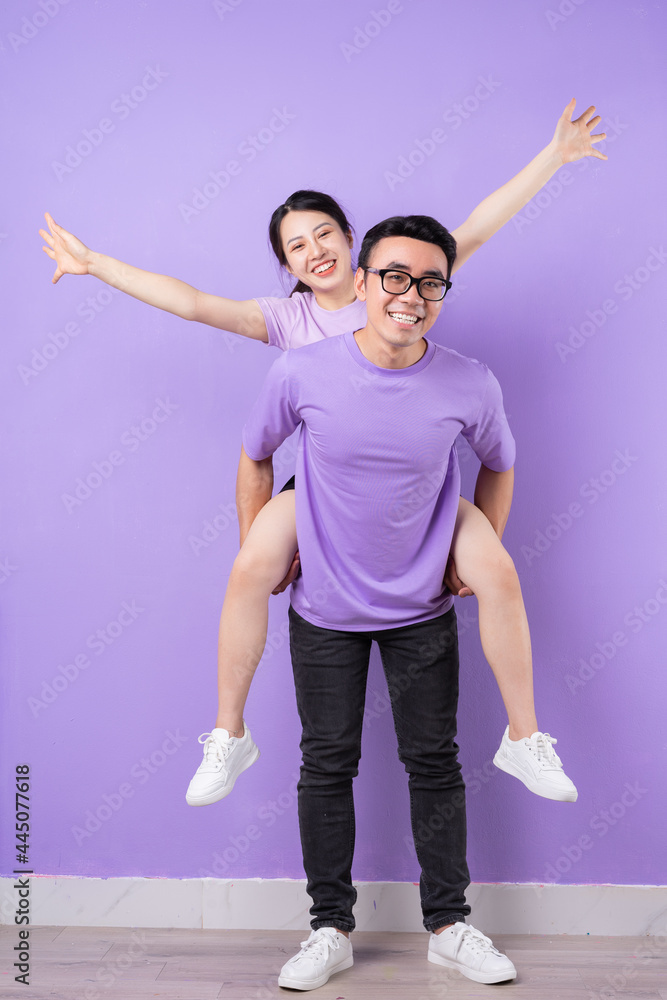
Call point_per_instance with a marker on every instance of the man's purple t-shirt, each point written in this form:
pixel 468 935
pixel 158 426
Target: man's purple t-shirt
pixel 377 475
pixel 299 320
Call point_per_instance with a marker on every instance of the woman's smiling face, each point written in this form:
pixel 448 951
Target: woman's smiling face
pixel 316 249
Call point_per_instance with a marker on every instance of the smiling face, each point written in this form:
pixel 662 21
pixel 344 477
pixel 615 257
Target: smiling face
pixel 317 250
pixel 397 322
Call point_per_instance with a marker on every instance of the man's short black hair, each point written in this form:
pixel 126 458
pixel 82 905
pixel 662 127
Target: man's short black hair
pixel 416 227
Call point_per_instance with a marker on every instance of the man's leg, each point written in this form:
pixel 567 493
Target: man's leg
pixel 421 665
pixel 330 671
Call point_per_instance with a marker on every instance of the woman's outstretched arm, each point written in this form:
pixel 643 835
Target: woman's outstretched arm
pixel 571 141
pixel 174 296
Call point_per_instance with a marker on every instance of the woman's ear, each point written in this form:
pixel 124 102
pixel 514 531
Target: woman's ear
pixel 350 239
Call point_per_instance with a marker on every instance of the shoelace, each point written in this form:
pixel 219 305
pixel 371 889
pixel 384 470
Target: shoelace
pixel 316 947
pixel 474 939
pixel 542 746
pixel 214 752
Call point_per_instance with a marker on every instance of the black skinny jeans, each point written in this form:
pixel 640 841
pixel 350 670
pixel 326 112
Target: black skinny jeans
pixel 330 671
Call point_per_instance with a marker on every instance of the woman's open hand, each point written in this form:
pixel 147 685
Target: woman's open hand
pixel 574 139
pixel 70 254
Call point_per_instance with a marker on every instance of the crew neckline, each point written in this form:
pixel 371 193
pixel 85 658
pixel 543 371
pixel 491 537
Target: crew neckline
pixel 328 312
pixel 360 358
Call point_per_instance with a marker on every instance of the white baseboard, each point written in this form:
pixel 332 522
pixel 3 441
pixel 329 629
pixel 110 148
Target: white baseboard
pixel 274 904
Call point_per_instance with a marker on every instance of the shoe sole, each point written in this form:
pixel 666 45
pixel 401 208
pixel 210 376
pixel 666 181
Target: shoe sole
pixel 207 800
pixel 546 793
pixel 477 977
pixel 314 984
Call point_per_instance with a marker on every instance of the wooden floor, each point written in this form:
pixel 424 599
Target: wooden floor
pixel 91 963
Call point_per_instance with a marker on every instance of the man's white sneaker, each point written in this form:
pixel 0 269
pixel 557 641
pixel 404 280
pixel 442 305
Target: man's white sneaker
pixel 464 948
pixel 534 761
pixel 225 757
pixel 325 952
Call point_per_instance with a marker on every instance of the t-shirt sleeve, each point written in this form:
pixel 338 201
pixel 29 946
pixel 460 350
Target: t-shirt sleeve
pixel 489 435
pixel 273 417
pixel 280 316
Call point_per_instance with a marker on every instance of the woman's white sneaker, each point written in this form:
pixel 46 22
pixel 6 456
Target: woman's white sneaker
pixel 464 948
pixel 225 757
pixel 534 761
pixel 326 952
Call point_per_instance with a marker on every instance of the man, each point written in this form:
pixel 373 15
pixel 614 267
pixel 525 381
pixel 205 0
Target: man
pixel 377 488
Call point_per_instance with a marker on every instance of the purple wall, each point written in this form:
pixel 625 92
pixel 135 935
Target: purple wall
pixel 178 91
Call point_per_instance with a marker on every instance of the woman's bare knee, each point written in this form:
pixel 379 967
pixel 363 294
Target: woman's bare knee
pixel 269 547
pixel 254 566
pixel 495 573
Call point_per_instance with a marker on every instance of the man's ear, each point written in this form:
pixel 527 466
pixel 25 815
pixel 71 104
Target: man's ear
pixel 360 284
pixel 350 239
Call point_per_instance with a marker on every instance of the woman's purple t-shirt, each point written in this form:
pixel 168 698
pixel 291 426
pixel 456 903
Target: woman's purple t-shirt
pixel 299 320
pixel 378 475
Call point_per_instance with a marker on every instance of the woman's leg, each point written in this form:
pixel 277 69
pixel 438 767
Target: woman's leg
pixel 262 563
pixel 484 565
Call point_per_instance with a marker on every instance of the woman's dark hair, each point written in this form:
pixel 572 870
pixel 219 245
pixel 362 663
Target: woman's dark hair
pixel 304 201
pixel 416 227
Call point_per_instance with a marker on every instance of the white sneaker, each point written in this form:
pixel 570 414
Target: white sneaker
pixel 464 948
pixel 324 953
pixel 534 761
pixel 225 757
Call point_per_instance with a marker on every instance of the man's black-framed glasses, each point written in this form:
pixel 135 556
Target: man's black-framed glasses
pixel 398 282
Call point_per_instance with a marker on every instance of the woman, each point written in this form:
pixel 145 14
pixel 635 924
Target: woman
pixel 312 239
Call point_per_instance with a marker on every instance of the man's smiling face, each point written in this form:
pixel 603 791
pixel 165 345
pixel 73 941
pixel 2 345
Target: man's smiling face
pixel 400 320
